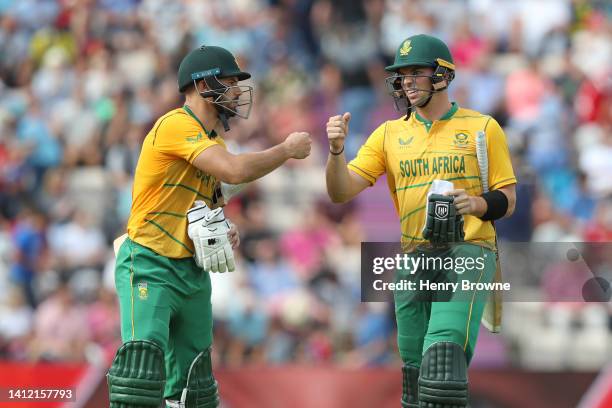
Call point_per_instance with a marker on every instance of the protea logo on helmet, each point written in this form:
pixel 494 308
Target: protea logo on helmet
pixel 405 48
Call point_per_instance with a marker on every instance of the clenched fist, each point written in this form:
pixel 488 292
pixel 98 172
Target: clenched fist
pixel 337 129
pixel 298 145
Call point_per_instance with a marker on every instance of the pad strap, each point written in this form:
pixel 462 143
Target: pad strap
pixel 410 386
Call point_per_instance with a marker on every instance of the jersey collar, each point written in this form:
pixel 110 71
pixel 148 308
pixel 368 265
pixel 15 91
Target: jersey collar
pixel 449 114
pixel 211 134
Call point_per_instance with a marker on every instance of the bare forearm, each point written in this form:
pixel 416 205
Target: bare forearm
pixel 251 166
pixel 342 185
pixel 338 179
pixel 246 167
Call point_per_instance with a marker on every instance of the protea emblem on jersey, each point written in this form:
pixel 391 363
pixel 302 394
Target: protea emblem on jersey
pixel 405 48
pixel 461 139
pixel 441 210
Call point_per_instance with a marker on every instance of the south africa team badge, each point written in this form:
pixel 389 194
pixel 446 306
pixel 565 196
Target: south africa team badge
pixel 143 291
pixel 461 138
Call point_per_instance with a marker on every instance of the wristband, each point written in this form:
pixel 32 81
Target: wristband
pixel 336 154
pixel 497 205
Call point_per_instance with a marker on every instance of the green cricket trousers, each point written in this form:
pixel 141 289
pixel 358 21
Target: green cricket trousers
pixel 427 317
pixel 168 302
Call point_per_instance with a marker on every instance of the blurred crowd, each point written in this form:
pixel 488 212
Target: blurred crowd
pixel 81 83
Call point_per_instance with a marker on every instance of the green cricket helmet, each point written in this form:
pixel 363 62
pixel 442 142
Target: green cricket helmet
pixel 420 50
pixel 205 61
pixel 210 63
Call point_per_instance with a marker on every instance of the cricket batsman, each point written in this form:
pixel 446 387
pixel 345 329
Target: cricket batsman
pixel 177 234
pixel 435 142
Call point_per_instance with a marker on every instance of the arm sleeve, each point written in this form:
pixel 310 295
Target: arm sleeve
pixel 370 161
pixel 500 166
pixel 181 138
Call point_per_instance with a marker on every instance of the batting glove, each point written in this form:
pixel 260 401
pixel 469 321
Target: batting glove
pixel 208 229
pixel 443 224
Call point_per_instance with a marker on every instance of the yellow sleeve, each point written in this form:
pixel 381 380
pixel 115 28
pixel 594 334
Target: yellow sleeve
pixel 500 166
pixel 370 161
pixel 178 137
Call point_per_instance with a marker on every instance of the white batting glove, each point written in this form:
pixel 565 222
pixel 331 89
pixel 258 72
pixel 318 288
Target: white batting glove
pixel 209 232
pixel 195 217
pixel 217 252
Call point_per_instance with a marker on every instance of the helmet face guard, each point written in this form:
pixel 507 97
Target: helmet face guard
pixel 396 90
pixel 227 107
pixel 239 106
pixel 443 71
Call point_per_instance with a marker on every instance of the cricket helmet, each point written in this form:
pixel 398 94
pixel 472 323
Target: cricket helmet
pixel 420 50
pixel 210 64
pixel 207 61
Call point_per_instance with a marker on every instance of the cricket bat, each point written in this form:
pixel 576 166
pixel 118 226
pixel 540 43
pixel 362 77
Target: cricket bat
pixel 492 315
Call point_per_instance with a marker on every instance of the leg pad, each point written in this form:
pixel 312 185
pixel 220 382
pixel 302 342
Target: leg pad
pixel 201 390
pixel 410 386
pixel 443 382
pixel 137 376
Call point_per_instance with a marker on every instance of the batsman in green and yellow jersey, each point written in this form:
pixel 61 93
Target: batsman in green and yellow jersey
pixel 435 140
pixel 176 236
